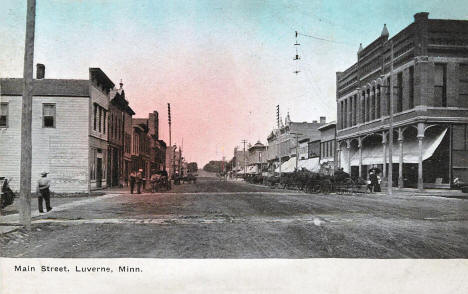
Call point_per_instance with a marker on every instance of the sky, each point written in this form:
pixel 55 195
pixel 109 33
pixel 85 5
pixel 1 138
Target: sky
pixel 223 65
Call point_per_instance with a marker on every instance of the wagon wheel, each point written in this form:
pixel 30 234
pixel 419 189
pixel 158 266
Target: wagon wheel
pixel 349 184
pixel 325 187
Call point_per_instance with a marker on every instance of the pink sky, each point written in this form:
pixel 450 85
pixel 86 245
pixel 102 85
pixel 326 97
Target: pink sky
pixel 223 65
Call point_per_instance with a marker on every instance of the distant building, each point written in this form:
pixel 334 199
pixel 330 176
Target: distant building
pixel 284 142
pixel 430 105
pixel 240 161
pixel 69 130
pixel 328 147
pixel 256 158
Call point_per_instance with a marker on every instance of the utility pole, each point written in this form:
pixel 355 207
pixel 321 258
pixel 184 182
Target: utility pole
pixel 26 117
pixel 278 138
pixel 390 133
pixel 297 145
pixel 173 150
pixel 245 158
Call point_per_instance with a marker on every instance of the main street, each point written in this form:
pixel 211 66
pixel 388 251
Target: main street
pixel 223 219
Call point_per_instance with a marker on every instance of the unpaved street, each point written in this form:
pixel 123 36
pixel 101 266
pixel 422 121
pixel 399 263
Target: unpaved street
pixel 219 219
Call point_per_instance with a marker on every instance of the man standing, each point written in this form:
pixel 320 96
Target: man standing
pixel 132 181
pixel 139 180
pixel 43 192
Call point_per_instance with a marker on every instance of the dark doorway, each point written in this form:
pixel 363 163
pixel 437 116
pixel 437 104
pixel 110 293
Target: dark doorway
pixel 99 172
pixel 115 167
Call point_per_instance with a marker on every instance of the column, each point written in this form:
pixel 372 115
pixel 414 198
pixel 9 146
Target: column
pixel 365 107
pixel 348 146
pixel 384 145
pixel 360 108
pixel 400 159
pixel 421 130
pixel 360 156
pixel 338 154
pixel 371 104
pixel 377 103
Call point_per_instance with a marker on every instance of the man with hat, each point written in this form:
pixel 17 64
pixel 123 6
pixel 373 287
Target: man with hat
pixel 43 185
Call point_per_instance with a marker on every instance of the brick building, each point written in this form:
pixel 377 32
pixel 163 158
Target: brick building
pixel 69 130
pixel 120 114
pixel 430 105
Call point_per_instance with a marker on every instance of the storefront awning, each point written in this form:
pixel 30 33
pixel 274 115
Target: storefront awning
pixel 311 164
pixel 252 169
pixel 288 166
pixel 374 154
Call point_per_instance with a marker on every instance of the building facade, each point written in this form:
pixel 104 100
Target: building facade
pixel 328 147
pixel 69 130
pixel 425 67
pixel 284 143
pixel 120 113
pixel 256 158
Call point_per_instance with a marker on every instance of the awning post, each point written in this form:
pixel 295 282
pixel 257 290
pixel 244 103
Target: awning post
pixel 400 159
pixel 421 130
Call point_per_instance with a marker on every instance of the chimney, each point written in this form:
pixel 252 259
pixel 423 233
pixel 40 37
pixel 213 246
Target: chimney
pixel 40 71
pixel 314 121
pixel 421 16
pixel 323 119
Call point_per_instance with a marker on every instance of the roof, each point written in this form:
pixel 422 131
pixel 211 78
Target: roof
pixel 328 125
pixel 46 87
pixel 120 101
pixel 97 73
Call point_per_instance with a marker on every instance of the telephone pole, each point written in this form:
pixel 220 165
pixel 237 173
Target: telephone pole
pixel 390 132
pixel 173 150
pixel 26 117
pixel 278 138
pixel 245 159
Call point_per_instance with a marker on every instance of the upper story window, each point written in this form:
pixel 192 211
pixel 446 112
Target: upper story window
pixel 411 88
pixel 100 118
pixel 48 115
pixel 104 113
pixel 399 100
pixel 4 115
pixel 440 85
pixel 95 116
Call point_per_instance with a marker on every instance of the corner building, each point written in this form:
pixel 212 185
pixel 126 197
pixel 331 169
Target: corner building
pixel 430 105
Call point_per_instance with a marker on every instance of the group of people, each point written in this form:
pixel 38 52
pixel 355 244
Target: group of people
pixel 156 180
pixel 136 178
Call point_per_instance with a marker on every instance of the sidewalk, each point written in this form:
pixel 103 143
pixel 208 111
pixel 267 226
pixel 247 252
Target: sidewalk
pixel 446 193
pixel 9 219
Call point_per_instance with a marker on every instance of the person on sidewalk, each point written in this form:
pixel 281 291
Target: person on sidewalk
pixel 155 179
pixel 132 181
pixel 372 180
pixel 139 180
pixel 43 185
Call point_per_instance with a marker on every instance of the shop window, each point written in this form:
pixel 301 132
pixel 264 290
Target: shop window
pixel 48 115
pixel 459 137
pixel 4 115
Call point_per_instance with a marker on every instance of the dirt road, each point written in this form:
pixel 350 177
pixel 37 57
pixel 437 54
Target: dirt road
pixel 219 219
